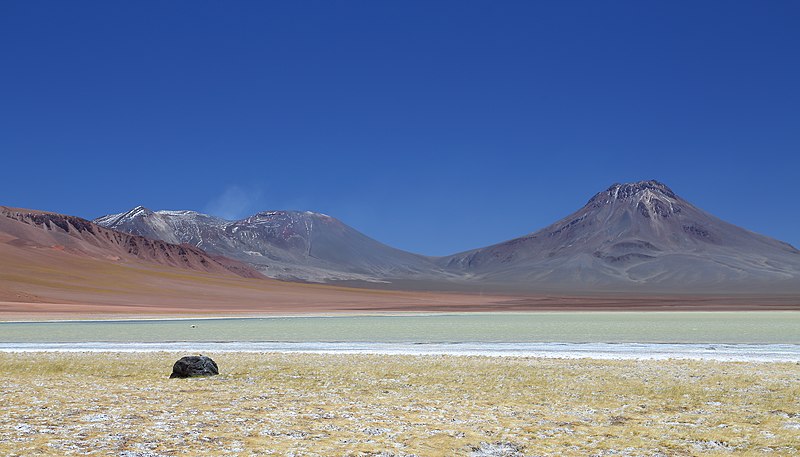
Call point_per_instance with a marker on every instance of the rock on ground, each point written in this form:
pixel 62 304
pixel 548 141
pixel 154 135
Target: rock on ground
pixel 194 365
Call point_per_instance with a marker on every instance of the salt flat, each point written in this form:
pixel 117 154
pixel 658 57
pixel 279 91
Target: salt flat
pixel 601 351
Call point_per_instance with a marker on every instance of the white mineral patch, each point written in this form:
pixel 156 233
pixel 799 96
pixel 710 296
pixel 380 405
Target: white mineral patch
pixel 606 351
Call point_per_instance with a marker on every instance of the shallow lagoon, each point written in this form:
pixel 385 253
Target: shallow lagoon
pixel 568 327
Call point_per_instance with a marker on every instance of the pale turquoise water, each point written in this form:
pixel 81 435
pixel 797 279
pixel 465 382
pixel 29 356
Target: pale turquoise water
pixel 586 327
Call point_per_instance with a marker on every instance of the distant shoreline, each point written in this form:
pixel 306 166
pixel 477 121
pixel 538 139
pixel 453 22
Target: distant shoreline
pixel 189 317
pixel 285 299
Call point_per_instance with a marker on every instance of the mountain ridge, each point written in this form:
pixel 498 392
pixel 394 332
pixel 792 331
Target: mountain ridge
pixel 636 236
pixel 42 229
pixel 283 244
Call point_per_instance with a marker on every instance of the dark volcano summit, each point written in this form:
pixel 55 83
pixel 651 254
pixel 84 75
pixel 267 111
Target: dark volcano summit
pixel 636 236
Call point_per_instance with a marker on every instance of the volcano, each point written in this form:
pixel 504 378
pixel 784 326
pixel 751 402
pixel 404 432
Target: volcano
pixel 289 245
pixel 635 236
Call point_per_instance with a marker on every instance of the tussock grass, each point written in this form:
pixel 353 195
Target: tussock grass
pixel 362 405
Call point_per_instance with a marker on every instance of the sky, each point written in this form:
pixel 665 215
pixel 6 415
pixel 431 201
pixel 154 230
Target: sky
pixel 431 126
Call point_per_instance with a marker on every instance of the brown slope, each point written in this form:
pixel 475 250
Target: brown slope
pixel 48 283
pixel 55 265
pixel 44 230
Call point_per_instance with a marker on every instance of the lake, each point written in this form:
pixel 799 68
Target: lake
pixel 544 327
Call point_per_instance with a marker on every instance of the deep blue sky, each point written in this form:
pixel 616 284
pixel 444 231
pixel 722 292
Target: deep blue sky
pixel 431 126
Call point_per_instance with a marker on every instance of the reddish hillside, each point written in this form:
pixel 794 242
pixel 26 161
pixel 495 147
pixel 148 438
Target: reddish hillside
pixel 43 230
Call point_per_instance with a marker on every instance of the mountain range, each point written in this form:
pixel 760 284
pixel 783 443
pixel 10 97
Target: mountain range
pixel 630 237
pixel 289 245
pixel 56 264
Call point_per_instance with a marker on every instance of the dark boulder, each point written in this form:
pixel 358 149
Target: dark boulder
pixel 194 365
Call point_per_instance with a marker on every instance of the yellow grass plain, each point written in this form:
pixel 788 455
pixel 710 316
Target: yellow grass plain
pixel 123 404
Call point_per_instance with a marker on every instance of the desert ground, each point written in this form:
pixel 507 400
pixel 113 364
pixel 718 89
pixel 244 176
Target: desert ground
pixel 309 299
pixel 372 405
pixel 123 404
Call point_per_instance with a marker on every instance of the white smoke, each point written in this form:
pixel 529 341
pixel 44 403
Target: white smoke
pixel 235 202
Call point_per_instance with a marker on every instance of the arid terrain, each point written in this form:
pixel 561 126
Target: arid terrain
pixel 372 405
pixel 52 265
pixel 399 228
pixel 53 274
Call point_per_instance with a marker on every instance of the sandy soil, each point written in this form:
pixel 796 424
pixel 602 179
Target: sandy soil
pixel 44 281
pixel 362 405
pixel 325 301
pixel 47 283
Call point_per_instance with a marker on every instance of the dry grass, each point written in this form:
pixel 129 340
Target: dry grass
pixel 351 405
